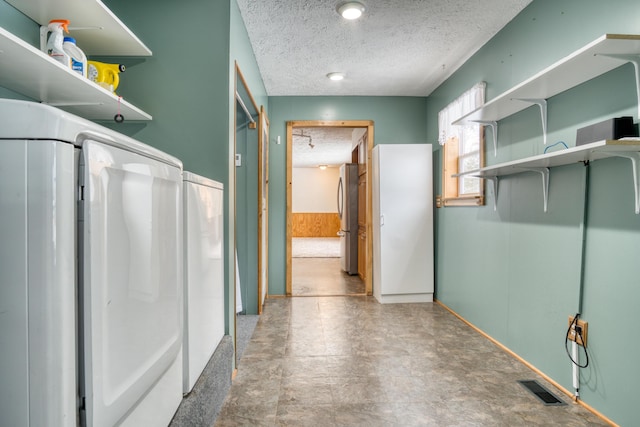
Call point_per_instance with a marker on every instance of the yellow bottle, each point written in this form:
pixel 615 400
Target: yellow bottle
pixel 105 75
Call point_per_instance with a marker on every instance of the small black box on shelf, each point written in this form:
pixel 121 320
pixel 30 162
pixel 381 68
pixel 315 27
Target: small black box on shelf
pixel 616 128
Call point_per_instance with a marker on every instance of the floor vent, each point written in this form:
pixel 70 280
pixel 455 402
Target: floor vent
pixel 541 393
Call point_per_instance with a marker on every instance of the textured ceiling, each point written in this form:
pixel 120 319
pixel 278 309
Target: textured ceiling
pixel 331 146
pixel 397 48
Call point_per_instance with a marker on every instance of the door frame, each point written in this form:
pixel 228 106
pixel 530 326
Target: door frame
pixel 367 124
pixel 238 81
pixel 263 211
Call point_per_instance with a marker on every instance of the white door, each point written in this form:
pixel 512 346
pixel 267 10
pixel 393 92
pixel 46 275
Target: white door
pixel 132 283
pixel 403 218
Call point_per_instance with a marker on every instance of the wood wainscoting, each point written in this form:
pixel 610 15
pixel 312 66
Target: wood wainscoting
pixel 311 224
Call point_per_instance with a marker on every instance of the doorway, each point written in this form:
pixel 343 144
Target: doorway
pixel 251 199
pixel 315 252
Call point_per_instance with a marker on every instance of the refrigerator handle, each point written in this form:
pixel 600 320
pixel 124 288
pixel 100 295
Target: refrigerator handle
pixel 381 220
pixel 340 198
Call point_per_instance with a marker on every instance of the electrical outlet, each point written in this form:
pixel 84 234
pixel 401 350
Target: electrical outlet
pixel 580 338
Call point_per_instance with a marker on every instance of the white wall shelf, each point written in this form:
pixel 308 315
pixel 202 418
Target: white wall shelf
pixel 626 148
pixel 598 57
pixel 103 33
pixel 27 70
pixel 31 72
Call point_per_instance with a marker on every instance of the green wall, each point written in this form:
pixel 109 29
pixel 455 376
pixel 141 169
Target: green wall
pixel 397 120
pixel 176 84
pixel 15 22
pixel 516 272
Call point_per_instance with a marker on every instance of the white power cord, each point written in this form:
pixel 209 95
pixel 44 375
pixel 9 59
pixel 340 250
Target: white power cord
pixel 576 369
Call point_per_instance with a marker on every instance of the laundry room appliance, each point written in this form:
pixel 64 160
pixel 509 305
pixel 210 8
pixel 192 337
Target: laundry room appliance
pixel 91 262
pixel 402 188
pixel 348 214
pixel 203 274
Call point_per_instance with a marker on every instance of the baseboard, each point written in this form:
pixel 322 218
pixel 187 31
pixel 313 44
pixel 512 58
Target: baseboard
pixel 528 365
pixel 404 298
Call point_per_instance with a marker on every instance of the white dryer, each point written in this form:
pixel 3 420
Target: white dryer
pixel 91 262
pixel 203 274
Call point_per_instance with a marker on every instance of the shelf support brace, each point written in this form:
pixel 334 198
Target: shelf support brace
pixel 494 182
pixel 635 160
pixel 545 183
pixel 542 103
pixel 72 104
pixel 494 129
pixel 635 60
pixel 44 30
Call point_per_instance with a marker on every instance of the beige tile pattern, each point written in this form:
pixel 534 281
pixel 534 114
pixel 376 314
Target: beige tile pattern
pixel 349 361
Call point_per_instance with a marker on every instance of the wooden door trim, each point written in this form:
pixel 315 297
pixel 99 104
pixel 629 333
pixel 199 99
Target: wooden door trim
pixel 369 125
pixel 262 144
pixel 238 79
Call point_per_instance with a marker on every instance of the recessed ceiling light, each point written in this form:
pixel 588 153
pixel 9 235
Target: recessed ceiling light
pixel 351 9
pixel 335 76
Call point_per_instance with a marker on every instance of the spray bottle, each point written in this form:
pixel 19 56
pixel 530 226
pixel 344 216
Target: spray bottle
pixel 56 38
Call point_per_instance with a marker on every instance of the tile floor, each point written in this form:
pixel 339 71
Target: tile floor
pixel 322 276
pixel 349 361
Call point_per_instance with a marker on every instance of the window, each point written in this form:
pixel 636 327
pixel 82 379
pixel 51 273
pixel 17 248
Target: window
pixel 462 148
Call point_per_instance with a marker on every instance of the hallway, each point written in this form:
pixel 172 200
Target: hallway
pixel 349 361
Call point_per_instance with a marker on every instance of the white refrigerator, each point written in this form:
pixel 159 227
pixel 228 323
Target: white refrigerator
pixel 402 223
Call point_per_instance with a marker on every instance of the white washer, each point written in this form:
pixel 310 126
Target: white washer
pixel 204 274
pixel 91 261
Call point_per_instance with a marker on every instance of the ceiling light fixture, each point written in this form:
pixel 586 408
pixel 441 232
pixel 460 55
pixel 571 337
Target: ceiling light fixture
pixel 322 167
pixel 335 76
pixel 351 10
